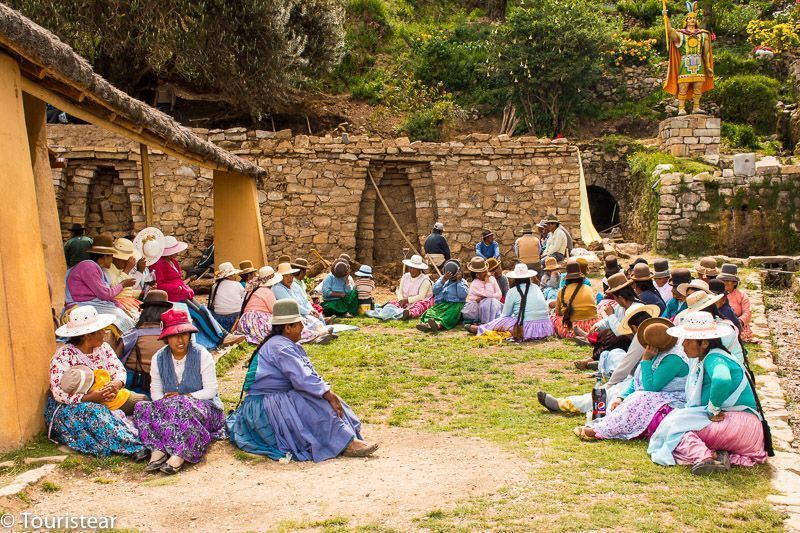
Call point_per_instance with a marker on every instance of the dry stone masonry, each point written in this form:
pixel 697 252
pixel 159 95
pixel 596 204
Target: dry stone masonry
pixel 318 193
pixel 691 136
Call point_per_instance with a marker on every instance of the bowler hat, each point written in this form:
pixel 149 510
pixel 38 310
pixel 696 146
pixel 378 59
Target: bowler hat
pixel 653 332
pixel 661 268
pixel 617 282
pixel 285 311
pixel 574 270
pixel 156 298
pixel 679 276
pixel 452 266
pixel 102 245
pixel 641 272
pixel 729 272
pixel 301 263
pixel 477 264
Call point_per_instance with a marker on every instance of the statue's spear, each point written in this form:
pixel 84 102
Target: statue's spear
pixel 666 25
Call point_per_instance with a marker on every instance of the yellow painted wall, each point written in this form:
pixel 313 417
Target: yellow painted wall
pixel 27 342
pixel 36 123
pixel 238 233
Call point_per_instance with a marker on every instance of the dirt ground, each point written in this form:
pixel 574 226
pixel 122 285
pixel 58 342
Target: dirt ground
pixel 413 474
pixel 783 313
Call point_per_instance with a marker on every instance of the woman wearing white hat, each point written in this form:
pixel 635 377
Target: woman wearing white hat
pixel 122 263
pixel 255 321
pixel 81 421
pixel 415 292
pixel 227 296
pixel 721 424
pixel 285 287
pixel 525 306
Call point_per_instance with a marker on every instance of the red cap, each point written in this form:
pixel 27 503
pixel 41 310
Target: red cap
pixel 174 322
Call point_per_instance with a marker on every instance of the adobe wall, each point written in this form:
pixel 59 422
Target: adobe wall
pixel 318 194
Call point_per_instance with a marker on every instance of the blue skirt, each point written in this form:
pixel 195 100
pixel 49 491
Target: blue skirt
pixel 249 428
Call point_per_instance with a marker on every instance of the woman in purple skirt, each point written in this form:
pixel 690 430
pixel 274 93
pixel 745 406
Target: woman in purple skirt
pixel 525 304
pixel 185 415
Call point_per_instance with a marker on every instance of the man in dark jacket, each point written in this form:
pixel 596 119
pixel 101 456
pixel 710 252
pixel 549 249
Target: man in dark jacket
pixel 436 246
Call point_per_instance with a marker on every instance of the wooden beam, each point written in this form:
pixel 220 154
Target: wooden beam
pixel 147 186
pixel 59 101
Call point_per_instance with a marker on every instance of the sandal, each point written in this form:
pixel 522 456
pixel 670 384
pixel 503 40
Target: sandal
pixel 580 431
pixel 708 467
pixel 586 364
pixel 170 470
pixel 364 451
pixel 155 466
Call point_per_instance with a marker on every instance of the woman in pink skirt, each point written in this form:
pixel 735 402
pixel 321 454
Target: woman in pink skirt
pixel 255 321
pixel 738 300
pixel 415 292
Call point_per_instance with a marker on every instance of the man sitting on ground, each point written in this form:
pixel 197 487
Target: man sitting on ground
pixel 487 247
pixel 436 247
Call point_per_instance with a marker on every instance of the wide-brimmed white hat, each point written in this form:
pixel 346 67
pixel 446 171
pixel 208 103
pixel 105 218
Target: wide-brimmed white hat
pixel 150 243
pixel 173 246
pixel 125 250
pixel 698 284
pixel 700 325
pixel 265 272
pixel 624 327
pixel 416 261
pixel 226 270
pixel 284 269
pixel 697 301
pixel 521 271
pixel 83 320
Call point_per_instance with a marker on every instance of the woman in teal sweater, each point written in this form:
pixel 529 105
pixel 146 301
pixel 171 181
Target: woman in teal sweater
pixel 721 424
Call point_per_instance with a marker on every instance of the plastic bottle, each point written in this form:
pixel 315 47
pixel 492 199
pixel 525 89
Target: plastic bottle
pixel 598 399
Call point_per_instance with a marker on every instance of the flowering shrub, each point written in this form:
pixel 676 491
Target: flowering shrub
pixel 630 52
pixel 779 34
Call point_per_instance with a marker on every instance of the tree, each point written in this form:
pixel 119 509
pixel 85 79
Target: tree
pixel 496 9
pixel 551 55
pixel 255 55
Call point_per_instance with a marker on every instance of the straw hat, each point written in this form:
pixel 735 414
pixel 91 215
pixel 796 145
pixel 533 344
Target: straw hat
pixel 697 284
pixel 150 243
pixel 584 264
pixel 521 271
pixel 226 270
pixel 492 264
pixel 285 311
pixel 477 264
pixel 102 245
pixel 174 322
pixel 300 263
pixel 729 272
pixel 697 301
pixel 77 379
pixel 679 276
pixel 246 267
pixel 661 269
pixel 265 272
pixel 83 320
pixel 542 224
pixel 700 325
pixel 618 282
pixel 284 269
pixel 157 298
pixel 653 332
pixel 415 262
pixel 641 272
pixel 707 267
pixel 173 246
pixel 551 264
pixel 551 219
pixel 636 308
pixel 364 272
pixel 574 270
pixel 124 250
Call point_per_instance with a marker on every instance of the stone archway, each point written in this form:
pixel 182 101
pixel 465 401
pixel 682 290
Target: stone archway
pixel 108 206
pixel 603 207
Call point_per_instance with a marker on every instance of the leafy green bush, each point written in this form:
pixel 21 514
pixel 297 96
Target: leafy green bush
pixel 749 99
pixel 734 19
pixel 733 63
pixel 368 88
pixel 426 124
pixel 740 135
pixel 648 11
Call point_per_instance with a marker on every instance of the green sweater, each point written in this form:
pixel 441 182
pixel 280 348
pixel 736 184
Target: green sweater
pixel 721 377
pixel 671 366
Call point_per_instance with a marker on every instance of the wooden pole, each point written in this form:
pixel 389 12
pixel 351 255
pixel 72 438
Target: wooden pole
pixel 397 224
pixel 147 186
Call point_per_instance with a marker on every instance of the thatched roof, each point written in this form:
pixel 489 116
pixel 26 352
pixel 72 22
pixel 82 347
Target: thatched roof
pixel 53 65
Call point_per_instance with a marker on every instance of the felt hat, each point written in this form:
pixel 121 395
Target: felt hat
pixel 438 226
pixel 700 325
pixel 584 264
pixel 637 261
pixel 487 233
pixel 707 267
pixel 653 332
pixel 624 327
pixel 346 257
pixel 246 267
pixel 226 270
pixel 552 219
pixel 677 276
pixel 527 229
pixel 452 266
pixel 300 263
pixel 416 261
pixel 338 269
pixel 611 265
pixel 697 301
pixel 157 298
pixel 492 264
pixel 728 272
pixel 521 271
pixel 77 379
pixel 574 270
pixel 697 284
pixel 365 271
pixel 102 245
pixel 661 269
pixel 84 319
pixel 174 322
pixel 124 249
pixel 285 258
pixel 641 272
pixel 173 246
pixel 285 311
pixel 477 264
pixel 617 282
pixel 76 228
pixel 717 286
pixel 150 243
pixel 550 264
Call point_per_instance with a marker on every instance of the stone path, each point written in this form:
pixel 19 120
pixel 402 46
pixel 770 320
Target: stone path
pixel 771 387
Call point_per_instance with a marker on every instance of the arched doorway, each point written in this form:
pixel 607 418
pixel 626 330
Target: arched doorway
pixel 108 205
pixel 603 207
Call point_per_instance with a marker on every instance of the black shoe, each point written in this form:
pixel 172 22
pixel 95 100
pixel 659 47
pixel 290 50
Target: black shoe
pixel 155 466
pixel 708 467
pixel 141 455
pixel 433 325
pixel 170 470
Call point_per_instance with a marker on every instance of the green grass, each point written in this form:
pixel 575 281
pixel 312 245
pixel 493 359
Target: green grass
pixel 229 360
pixel 456 383
pixel 49 486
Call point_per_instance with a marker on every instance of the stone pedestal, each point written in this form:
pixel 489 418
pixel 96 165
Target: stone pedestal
pixel 690 136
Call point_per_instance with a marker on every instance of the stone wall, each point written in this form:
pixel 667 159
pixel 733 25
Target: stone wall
pixel 607 168
pixel 691 136
pixel 318 193
pixel 632 83
pixel 753 209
